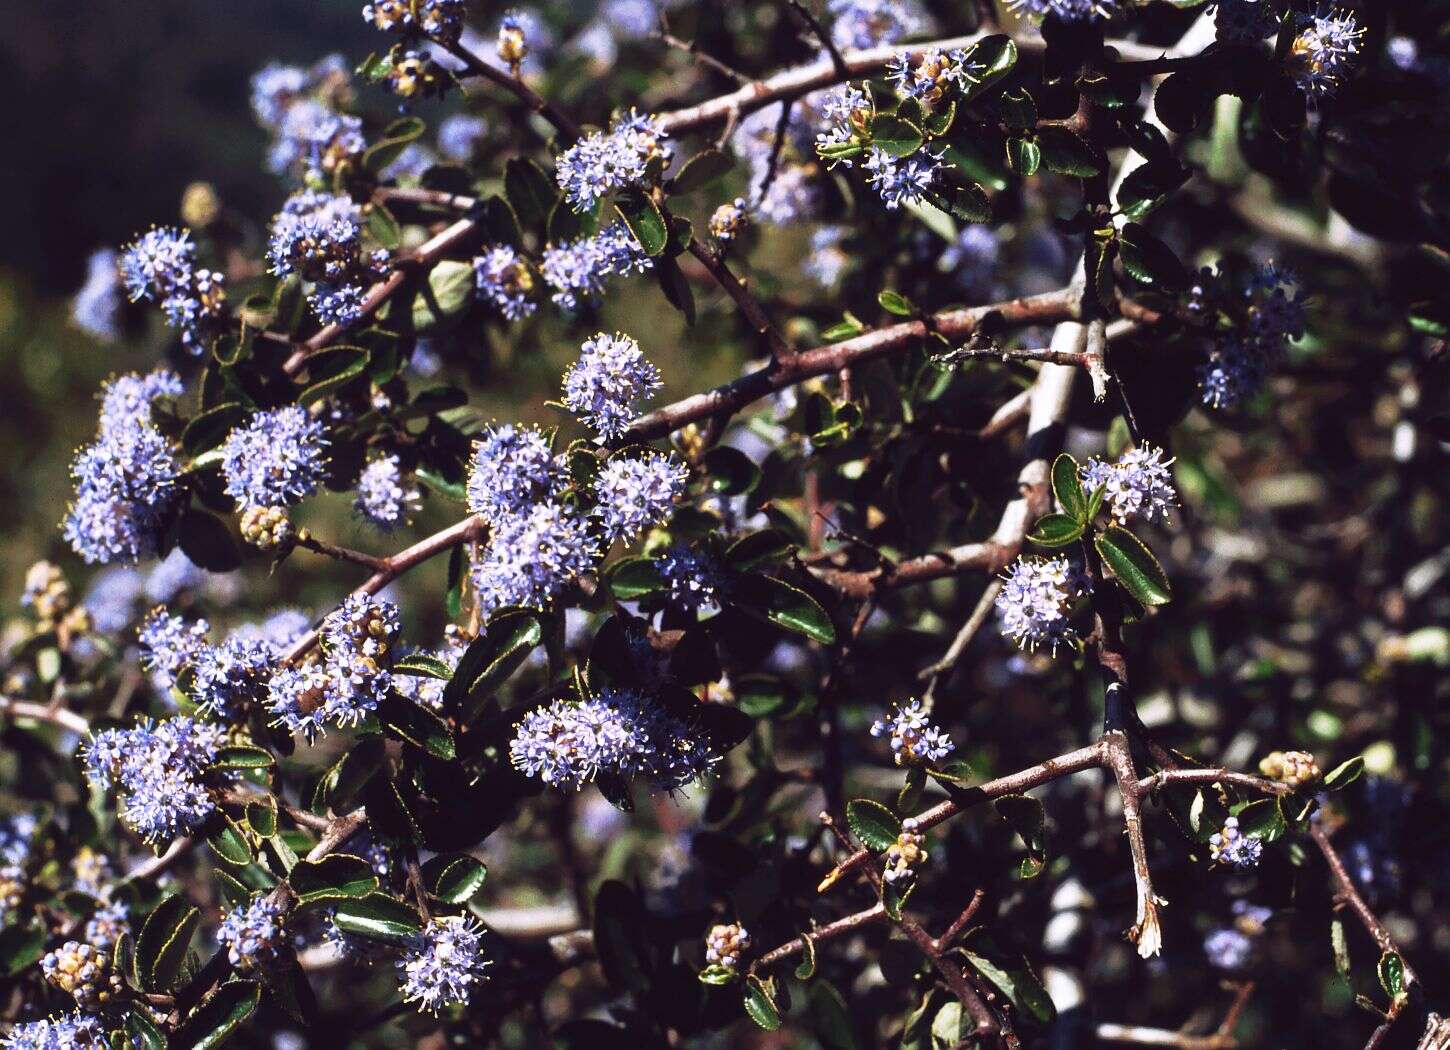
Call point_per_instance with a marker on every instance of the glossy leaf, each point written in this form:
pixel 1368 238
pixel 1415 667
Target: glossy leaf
pixel 644 220
pixel 1067 488
pixel 219 1016
pixel 760 1004
pixel 871 822
pixel 703 169
pixel 338 876
pixel 1056 530
pixel 378 917
pixel 454 878
pixel 1344 774
pixel 163 942
pixel 1149 261
pixel 1133 566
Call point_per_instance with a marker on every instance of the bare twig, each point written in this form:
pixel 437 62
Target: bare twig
pixel 692 48
pixel 525 94
pixel 57 716
pixel 851 923
pixel 838 62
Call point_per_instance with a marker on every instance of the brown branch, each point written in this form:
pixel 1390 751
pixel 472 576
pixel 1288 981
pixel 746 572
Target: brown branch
pixel 525 94
pixel 306 540
pixel 1089 757
pixel 692 48
pixel 1348 896
pixel 461 532
pixel 157 865
pixel 1150 784
pixel 838 62
pixel 830 931
pixel 749 306
pixel 48 713
pixel 1146 932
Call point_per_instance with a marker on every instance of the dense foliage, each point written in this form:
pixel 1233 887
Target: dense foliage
pixel 1036 644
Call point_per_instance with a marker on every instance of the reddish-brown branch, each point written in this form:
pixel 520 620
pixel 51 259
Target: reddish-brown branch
pixel 748 305
pixel 840 928
pixel 1348 896
pixel 525 94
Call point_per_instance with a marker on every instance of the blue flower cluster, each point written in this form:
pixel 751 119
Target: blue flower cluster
pixel 631 152
pixel 532 556
pixel 934 74
pixel 128 479
pixel 914 739
pixel 1036 599
pixel 1245 21
pixel 459 136
pixel 1326 47
pixel 276 458
pixel 444 963
pixel 349 676
pixel 318 236
pixel 505 281
pixel 637 493
pixel 158 770
pixel 96 308
pixel 72 1031
pixel 568 744
pixel 160 266
pixel 512 468
pixel 230 678
pixel 1231 847
pixel 169 643
pixel 296 106
pixel 253 932
pixel 107 924
pixel 1064 10
pixel 1138 484
pixel 1263 314
pixel 384 499
pixel 577 270
pixel 439 19
pixel 693 579
pixel 901 181
pixel 609 378
pixel 861 24
pixel 426 691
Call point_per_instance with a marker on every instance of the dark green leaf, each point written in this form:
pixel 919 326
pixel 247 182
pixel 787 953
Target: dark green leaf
pixel 633 578
pixel 395 138
pixel 898 137
pixel 1016 108
pixel 1344 774
pixel 163 942
pixel 1067 488
pixel 760 1004
pixel 449 290
pixel 1023 156
pixel 730 471
pixel 219 1016
pixel 230 843
pixel 349 775
pixel 997 54
pixel 209 429
pixel 756 550
pixel 1149 261
pixel 1133 566
pixel 499 223
pixel 786 606
pixel 1011 974
pixel 531 192
pixel 243 756
pixel 330 369
pixel 806 969
pixel 1263 819
pixel 378 917
pixel 642 216
pixel 909 798
pixel 1391 972
pixel 21 945
pixel 1147 186
pixel 417 725
pixel 1056 530
pixel 1067 153
pixel 421 665
pixel 701 170
pixel 454 878
pixel 338 876
pixel 383 226
pixel 142 1031
pixel 871 822
pixel 620 937
pixel 967 203
pixel 262 816
pixel 830 1018
pixel 493 656
pixel 207 541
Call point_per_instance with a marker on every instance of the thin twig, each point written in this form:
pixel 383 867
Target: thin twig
pixel 692 48
pixel 838 61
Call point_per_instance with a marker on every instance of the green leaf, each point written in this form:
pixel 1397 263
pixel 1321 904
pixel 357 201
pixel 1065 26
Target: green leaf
pixel 338 876
pixel 531 192
pixel 968 203
pixel 909 797
pixel 785 606
pixel 718 975
pixel 378 917
pixel 1133 566
pixel 209 429
pixel 219 1016
pixel 730 471
pixel 207 541
pixel 633 578
pixel 951 1027
pixel 421 665
pixel 1056 530
pixel 703 169
pixel 1262 819
pixel 807 966
pixel 262 816
pixel 499 223
pixel 1067 488
pixel 997 55
pixel 1010 973
pixel 163 942
pixel 644 220
pixel 230 843
pixel 454 878
pixel 954 773
pixel 383 226
pixel 1149 261
pixel 1391 972
pixel 349 775
pixel 243 757
pixel 620 937
pixel 898 137
pixel 897 304
pixel 830 1018
pixel 760 1003
pixel 848 328
pixel 416 724
pixel 871 822
pixel 1340 944
pixel 894 896
pixel 1016 108
pixel 449 290
pixel 396 137
pixel 492 657
pixel 142 1031
pixel 1027 817
pixel 21 945
pixel 330 369
pixel 1344 774
pixel 1023 156
pixel 757 550
pixel 1148 186
pixel 1067 153
pixel 939 121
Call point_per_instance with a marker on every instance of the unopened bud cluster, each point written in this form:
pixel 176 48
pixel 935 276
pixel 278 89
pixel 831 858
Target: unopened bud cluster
pixel 1295 768
pixel 907 854
pixel 267 528
pixel 728 220
pixel 85 972
pixel 725 944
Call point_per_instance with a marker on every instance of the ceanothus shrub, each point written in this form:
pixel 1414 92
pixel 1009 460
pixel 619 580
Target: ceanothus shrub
pixel 909 687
